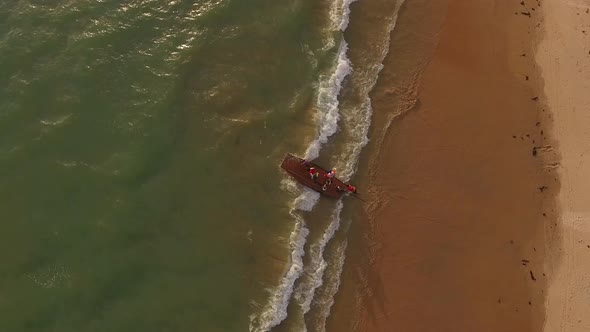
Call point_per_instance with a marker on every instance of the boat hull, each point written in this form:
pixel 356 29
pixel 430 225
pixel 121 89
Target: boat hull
pixel 298 169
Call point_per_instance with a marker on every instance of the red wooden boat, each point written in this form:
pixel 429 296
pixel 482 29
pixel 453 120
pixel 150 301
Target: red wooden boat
pixel 298 168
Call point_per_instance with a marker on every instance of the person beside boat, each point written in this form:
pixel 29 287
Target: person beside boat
pixel 351 188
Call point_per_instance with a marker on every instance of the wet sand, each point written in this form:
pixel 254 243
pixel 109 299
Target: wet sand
pixel 460 189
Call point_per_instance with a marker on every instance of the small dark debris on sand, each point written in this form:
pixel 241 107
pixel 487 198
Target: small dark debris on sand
pixel 532 276
pixel 513 136
pixel 523 54
pixel 534 151
pixel 525 14
pixel 538 123
pixel 544 214
pixel 530 303
pixel 525 262
pixel 535 98
pixel 542 188
pixel 526 78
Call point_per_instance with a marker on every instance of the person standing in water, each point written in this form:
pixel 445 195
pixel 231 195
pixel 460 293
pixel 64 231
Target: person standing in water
pixel 351 188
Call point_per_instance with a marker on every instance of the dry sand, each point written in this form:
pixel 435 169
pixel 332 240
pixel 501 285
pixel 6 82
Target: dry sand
pixel 462 183
pixel 564 57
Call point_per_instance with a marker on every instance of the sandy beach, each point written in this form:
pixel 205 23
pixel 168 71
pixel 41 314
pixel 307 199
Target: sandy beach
pixel 564 58
pixel 465 233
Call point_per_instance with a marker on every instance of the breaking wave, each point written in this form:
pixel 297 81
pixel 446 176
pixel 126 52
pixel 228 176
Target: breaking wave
pixel 328 115
pixel 276 309
pixel 318 264
pixel 327 103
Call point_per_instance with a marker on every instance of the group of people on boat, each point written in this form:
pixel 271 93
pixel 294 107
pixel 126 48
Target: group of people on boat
pixel 331 174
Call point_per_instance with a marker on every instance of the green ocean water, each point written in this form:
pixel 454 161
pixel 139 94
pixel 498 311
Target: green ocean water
pixel 140 144
pixel 139 152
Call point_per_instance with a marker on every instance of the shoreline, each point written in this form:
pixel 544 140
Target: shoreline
pixel 457 223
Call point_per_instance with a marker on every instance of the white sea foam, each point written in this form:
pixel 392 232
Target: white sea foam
pixel 361 115
pixel 340 13
pixel 50 277
pixel 307 200
pixel 57 121
pixel 327 102
pixel 322 274
pixel 289 185
pixel 276 309
pixel 345 14
pixel 315 271
pixel 324 304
